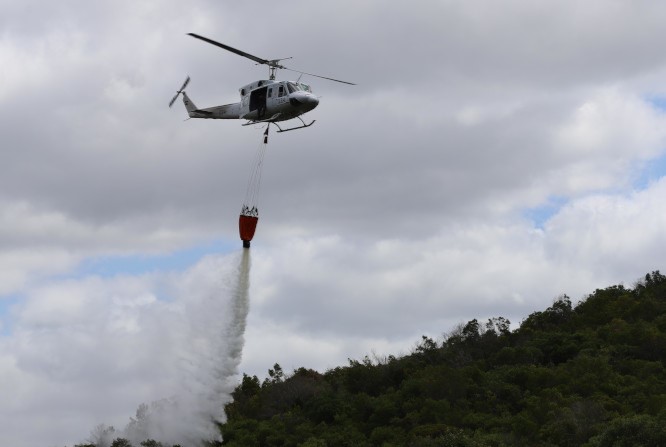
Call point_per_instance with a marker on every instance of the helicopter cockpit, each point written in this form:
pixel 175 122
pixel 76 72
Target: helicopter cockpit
pixel 297 86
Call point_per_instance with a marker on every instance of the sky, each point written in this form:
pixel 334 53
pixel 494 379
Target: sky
pixel 492 157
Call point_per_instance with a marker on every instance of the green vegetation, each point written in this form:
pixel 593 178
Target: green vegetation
pixel 592 375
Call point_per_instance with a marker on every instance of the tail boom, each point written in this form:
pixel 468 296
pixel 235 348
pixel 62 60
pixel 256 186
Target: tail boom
pixel 225 112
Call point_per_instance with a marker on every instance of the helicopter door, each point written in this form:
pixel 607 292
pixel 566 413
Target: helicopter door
pixel 258 101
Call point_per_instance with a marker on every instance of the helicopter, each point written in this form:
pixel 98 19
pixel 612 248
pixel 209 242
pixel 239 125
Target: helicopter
pixel 263 101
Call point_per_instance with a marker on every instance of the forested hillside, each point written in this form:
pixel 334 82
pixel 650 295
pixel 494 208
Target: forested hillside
pixel 589 375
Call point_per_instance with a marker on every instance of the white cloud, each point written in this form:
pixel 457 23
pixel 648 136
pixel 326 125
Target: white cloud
pixel 615 233
pixel 614 124
pixel 20 267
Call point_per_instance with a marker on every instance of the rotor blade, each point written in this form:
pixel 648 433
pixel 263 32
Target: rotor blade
pixel 228 48
pixel 187 81
pixel 318 76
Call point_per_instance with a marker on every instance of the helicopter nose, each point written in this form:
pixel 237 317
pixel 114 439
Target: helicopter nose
pixel 312 99
pixel 304 100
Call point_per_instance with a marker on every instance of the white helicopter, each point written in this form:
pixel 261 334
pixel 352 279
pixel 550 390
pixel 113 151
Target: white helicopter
pixel 265 101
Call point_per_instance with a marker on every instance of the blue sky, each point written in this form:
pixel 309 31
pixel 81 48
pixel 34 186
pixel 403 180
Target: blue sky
pixel 658 101
pixel 653 171
pixel 6 303
pixel 541 214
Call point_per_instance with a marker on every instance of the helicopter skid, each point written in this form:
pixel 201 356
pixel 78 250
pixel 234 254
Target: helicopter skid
pixel 273 120
pixel 295 128
pixel 268 120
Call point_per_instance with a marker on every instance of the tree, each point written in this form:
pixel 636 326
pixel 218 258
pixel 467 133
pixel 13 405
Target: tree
pixel 498 326
pixel 121 442
pixel 276 374
pixel 642 430
pixel 471 331
pixel 151 443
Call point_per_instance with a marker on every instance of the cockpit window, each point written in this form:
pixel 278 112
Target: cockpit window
pixel 297 86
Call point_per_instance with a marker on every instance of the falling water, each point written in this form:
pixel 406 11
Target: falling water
pixel 225 367
pixel 219 343
pixel 215 311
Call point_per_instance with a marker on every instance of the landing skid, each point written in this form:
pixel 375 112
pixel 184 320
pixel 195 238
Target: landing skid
pixel 268 120
pixel 273 120
pixel 294 128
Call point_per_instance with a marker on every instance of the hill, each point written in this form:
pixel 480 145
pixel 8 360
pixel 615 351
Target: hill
pixel 586 375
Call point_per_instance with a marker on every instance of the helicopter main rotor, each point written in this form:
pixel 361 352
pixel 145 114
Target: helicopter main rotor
pixel 273 64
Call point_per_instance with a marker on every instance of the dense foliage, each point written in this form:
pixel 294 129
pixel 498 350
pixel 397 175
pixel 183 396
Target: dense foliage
pixel 591 375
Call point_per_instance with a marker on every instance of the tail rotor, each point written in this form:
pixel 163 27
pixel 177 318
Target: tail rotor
pixel 181 90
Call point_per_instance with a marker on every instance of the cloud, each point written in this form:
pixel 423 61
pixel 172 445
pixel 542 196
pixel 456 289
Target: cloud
pixel 613 232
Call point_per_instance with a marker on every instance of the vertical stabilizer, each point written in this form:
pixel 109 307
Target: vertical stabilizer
pixel 189 105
